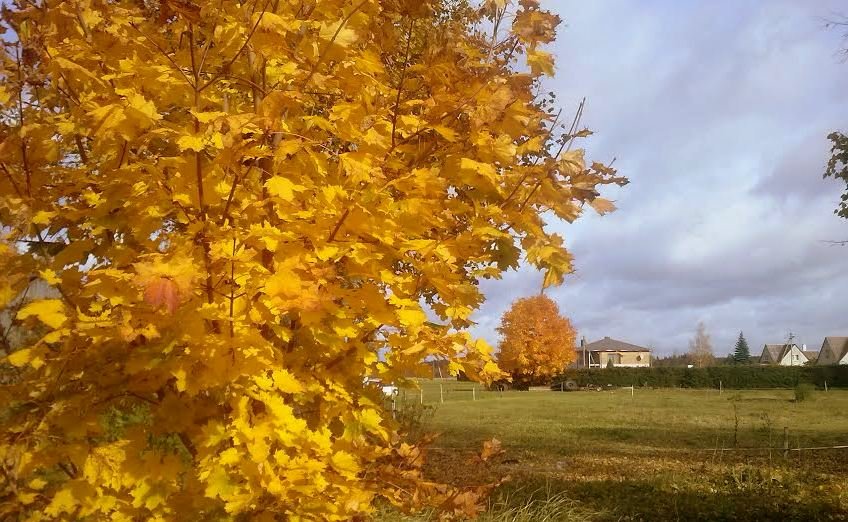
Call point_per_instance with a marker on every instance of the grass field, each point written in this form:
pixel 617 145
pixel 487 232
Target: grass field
pixel 651 456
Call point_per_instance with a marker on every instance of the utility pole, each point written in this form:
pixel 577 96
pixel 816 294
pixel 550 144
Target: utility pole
pixel 789 339
pixel 586 359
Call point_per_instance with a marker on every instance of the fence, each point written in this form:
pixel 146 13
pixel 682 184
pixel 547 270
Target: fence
pixel 786 449
pixel 445 390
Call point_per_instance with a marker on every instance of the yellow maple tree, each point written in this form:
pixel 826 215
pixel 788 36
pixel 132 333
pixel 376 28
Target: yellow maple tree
pixel 243 209
pixel 537 342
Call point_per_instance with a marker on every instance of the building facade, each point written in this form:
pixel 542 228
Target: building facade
pixel 612 352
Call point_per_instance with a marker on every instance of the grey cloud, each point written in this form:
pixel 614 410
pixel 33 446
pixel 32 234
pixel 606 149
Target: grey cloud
pixel 718 112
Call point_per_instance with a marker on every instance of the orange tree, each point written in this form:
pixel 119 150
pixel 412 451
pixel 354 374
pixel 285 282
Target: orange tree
pixel 536 341
pixel 245 208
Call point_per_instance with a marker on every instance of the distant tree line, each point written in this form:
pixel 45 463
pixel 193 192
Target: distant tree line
pixel 700 354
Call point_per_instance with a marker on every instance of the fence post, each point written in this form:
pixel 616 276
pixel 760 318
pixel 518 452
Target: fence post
pixel 421 395
pixel 473 394
pixel 719 387
pixel 441 393
pixel 631 391
pixel 825 386
pixel 785 442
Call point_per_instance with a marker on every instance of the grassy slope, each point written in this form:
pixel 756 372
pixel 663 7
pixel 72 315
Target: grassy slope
pixel 618 457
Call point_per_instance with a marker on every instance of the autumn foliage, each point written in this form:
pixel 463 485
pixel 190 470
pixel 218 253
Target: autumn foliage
pixel 243 209
pixel 536 341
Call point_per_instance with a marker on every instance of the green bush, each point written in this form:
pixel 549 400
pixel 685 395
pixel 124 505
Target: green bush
pixel 413 417
pixel 803 392
pixel 730 377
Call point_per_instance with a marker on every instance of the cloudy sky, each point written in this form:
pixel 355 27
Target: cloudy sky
pixel 718 113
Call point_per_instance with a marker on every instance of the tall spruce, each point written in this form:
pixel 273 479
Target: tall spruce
pixel 741 354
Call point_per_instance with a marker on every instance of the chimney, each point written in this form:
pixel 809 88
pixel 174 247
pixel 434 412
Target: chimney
pixel 582 342
pixel 803 347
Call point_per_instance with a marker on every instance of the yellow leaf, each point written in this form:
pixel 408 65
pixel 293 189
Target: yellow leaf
pixel 92 198
pixel 229 456
pixel 49 276
pixel 411 318
pixel 540 62
pixel 37 484
pixel 534 144
pixel 338 33
pixel 63 501
pixel 27 498
pixel 43 217
pixel 275 23
pixel 206 117
pixel 445 132
pixel 286 382
pixel 23 357
pixel 55 336
pixel 357 166
pixel 282 188
pixel 326 252
pixel 191 142
pixel 572 162
pixel 345 463
pixel 141 109
pixel 284 283
pixel 108 118
pixel 49 311
pixel 180 375
pixel 288 147
pixel 370 420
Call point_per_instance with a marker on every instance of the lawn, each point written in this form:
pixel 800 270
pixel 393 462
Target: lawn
pixel 655 455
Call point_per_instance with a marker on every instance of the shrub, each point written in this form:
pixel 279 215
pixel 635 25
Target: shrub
pixel 730 377
pixel 803 392
pixel 413 417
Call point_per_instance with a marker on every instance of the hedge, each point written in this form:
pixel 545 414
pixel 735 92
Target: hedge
pixel 730 377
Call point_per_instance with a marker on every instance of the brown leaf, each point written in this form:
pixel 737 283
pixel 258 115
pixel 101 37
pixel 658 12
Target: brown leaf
pixel 491 448
pixel 184 8
pixel 162 291
pixel 602 206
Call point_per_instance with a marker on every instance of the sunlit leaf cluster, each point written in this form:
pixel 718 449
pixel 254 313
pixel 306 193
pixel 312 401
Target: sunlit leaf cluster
pixel 240 210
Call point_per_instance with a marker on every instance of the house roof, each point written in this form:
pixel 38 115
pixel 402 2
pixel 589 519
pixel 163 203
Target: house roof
pixel 612 345
pixel 811 355
pixel 839 345
pixel 774 352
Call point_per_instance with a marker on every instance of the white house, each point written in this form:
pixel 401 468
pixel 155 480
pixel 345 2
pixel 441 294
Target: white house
pixel 786 355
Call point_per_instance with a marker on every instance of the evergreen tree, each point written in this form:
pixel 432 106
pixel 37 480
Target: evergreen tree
pixel 741 354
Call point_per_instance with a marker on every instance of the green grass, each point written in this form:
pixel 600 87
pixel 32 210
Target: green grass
pixel 609 456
